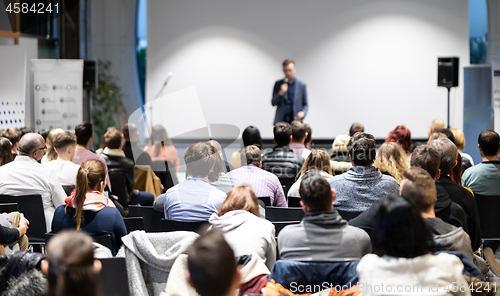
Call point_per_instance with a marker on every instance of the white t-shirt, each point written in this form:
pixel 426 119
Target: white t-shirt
pixel 66 171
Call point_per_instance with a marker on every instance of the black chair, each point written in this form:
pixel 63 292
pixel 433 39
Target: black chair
pixel 286 183
pixel 284 214
pixel 294 202
pixel 32 208
pixel 8 207
pixel 489 219
pixel 348 215
pixel 279 225
pixel 68 189
pixel 133 223
pixel 104 239
pixel 114 271
pixel 166 172
pixel 266 200
pixel 171 225
pixel 151 218
pixel 119 187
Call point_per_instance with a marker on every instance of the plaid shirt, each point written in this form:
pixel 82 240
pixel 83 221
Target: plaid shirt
pixel 262 182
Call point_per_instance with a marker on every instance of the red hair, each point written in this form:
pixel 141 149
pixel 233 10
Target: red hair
pixel 402 136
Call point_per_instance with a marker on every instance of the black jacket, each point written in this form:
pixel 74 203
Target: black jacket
pixel 121 164
pixel 282 162
pixel 142 159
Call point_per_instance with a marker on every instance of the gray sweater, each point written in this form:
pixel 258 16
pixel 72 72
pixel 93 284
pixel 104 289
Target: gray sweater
pixel 323 236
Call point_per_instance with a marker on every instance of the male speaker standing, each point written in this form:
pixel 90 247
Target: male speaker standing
pixel 290 95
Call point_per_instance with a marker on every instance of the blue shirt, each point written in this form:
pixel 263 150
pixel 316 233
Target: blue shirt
pixel 192 200
pixel 289 103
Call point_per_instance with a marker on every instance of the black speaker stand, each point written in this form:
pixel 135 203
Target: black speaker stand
pixel 448 88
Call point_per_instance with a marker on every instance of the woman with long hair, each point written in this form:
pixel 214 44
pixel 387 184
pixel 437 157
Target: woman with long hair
pixel 5 151
pixel 391 160
pixel 161 147
pixel 88 208
pixel 250 136
pixel 238 218
pixel 403 258
pixel 70 265
pixel 402 136
pixel 51 154
pixel 317 160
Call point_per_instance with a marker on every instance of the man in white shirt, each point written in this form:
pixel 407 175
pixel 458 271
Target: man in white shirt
pixel 65 145
pixel 25 176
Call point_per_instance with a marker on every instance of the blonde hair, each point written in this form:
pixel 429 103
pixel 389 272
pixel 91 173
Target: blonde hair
pixel 459 138
pixel 317 160
pixel 391 158
pixel 240 198
pixel 51 152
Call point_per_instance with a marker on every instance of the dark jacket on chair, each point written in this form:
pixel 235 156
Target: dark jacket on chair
pixel 282 162
pixel 120 163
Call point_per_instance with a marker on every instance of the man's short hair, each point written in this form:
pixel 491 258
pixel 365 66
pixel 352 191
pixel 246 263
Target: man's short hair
pixel 83 133
pixel 298 130
pixel 448 153
pixel 315 191
pixel 362 149
pixel 64 140
pixel 129 129
pixel 356 128
pixel 287 62
pixel 419 185
pixel 199 159
pixel 113 138
pixel 29 143
pixel 448 134
pixel 282 132
pixel 426 157
pixel 211 264
pixel 13 134
pixel 251 155
pixel 489 141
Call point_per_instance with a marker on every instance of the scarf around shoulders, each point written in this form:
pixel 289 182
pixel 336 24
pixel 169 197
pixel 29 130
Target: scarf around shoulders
pixel 94 201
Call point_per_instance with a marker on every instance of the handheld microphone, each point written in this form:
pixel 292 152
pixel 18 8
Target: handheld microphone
pixel 285 80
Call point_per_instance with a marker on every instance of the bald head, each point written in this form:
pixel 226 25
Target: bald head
pixel 31 144
pixel 436 124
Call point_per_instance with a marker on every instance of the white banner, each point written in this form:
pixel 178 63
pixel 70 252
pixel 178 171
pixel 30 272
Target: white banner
pixel 12 86
pixel 495 70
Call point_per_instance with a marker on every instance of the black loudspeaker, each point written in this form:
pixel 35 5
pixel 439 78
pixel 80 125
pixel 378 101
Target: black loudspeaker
pixel 90 75
pixel 448 72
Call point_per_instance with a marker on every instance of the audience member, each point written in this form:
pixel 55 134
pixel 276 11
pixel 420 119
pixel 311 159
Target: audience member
pixel 51 154
pixel 250 136
pixel 309 137
pixel 436 125
pixel 448 134
pixel 14 136
pixel 436 136
pixel 130 147
pixel 194 199
pixel 218 177
pixel 218 149
pixel 461 196
pixel 391 160
pixel 402 136
pixel 13 227
pixel 339 159
pixel 89 209
pixel 262 182
pixel 363 184
pixel 161 147
pixel 282 161
pixel 299 136
pixel 319 161
pixel 467 160
pixel 6 155
pixel 238 218
pixel 84 133
pixel 25 176
pixel 70 265
pixel 402 246
pixel 322 235
pixel 64 145
pixel 356 128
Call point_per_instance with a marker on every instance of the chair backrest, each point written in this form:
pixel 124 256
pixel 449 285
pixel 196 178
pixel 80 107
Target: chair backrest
pixel 104 239
pixel 151 218
pixel 294 202
pixel 286 183
pixel 68 189
pixel 279 225
pixel 114 271
pixel 133 223
pixel 348 215
pixel 171 225
pixel 284 214
pixel 266 200
pixel 32 208
pixel 8 207
pixel 489 219
pixel 119 187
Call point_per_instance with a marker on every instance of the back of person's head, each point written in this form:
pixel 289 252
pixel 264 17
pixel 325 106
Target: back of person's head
pixel 402 136
pixel 130 133
pixel 298 131
pixel 282 132
pixel 399 230
pixel 317 160
pixel 448 133
pixel 419 186
pixel 62 141
pixel 309 133
pixel 489 142
pixel 391 158
pixel 13 134
pixel 91 176
pixel 51 152
pixel 5 151
pixel 211 265
pixel 240 198
pixel 340 143
pixel 447 152
pixel 251 136
pixel 362 149
pixel 426 157
pixel 459 138
pixel 113 138
pixel 24 130
pixel 29 143
pixel 436 136
pixel 356 128
pixel 70 265
pixel 436 124
pixel 199 159
pixel 251 155
pixel 159 138
pixel 218 165
pixel 83 132
pixel 315 192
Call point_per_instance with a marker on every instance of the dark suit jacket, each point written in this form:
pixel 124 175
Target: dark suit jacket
pixel 299 102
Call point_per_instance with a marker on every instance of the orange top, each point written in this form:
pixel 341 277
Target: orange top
pixel 168 153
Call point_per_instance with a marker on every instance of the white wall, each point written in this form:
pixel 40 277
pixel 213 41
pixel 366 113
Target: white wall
pixel 371 61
